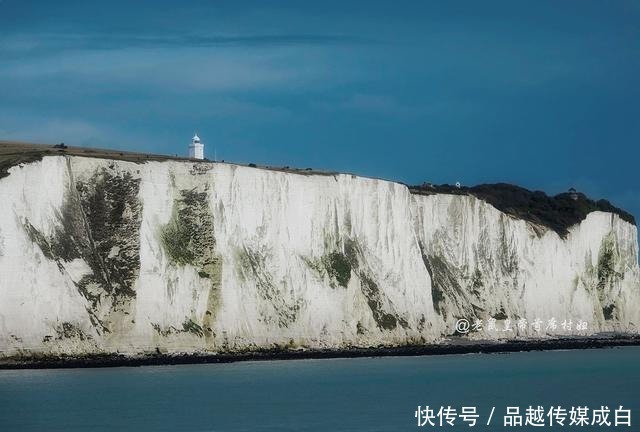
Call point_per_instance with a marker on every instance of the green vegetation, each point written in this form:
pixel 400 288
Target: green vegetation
pixel 163 331
pixel 188 326
pixel 605 270
pixel 444 282
pixel 109 239
pixel 338 267
pixel 609 312
pixel 437 296
pixel 252 266
pixel 68 330
pixel 557 212
pixel 335 264
pixel 371 291
pixel 508 256
pixel 188 239
pixel 39 239
pixel 476 282
pixel 10 159
pixel 98 222
pixel 192 327
pixel 501 315
pixel 176 239
pixel 421 323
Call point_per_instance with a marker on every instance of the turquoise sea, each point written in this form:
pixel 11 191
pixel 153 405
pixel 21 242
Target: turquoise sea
pixel 366 394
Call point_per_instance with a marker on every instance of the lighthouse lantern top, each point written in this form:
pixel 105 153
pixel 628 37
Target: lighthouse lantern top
pixel 196 148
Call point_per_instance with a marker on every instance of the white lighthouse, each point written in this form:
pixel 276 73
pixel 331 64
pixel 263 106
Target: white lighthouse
pixel 196 148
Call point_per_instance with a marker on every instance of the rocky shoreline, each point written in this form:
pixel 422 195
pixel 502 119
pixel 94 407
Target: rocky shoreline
pixel 451 346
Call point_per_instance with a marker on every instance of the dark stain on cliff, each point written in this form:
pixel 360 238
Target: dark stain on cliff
pixel 371 291
pixel 39 239
pixel 253 265
pixel 353 259
pixel 448 295
pixel 501 314
pixel 67 330
pixel 508 254
pixel 606 268
pixel 607 275
pixel 99 222
pixel 188 239
pixel 338 267
pixel 334 264
pixel 112 216
pixel 444 283
pixel 476 282
pixel 437 292
pixel 609 312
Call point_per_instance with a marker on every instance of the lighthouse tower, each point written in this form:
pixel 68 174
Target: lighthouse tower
pixel 196 148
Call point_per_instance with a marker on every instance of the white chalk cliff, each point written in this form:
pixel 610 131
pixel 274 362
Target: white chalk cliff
pixel 103 256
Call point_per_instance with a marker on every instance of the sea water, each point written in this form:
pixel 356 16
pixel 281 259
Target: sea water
pixel 364 394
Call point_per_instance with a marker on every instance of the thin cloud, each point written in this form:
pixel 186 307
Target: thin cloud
pixel 25 44
pixel 376 103
pixel 388 105
pixel 177 70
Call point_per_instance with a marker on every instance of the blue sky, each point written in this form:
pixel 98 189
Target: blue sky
pixel 544 94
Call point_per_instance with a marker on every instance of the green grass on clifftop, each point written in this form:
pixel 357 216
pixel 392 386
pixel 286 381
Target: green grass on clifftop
pixel 557 212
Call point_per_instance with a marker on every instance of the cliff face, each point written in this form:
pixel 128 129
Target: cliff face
pixel 100 255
